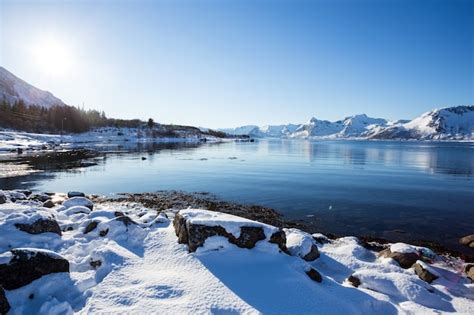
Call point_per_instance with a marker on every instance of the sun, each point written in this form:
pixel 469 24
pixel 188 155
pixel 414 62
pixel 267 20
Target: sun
pixel 53 57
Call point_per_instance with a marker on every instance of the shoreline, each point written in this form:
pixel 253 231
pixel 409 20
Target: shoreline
pixel 173 199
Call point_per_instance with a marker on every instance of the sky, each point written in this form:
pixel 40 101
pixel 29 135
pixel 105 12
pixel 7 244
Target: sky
pixel 230 63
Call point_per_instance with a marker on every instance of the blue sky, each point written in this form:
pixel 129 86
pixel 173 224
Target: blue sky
pixel 229 63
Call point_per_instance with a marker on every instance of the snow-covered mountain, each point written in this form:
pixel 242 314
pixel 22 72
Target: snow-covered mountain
pixel 452 123
pixel 350 127
pixel 271 131
pixel 13 89
pixel 456 123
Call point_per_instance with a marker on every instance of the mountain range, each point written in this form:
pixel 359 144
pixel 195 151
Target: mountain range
pixel 451 123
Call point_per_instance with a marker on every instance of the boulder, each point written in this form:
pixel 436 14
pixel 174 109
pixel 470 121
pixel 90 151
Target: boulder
pixel 424 274
pixel 314 275
pixel 72 194
pixel 3 198
pixel 301 244
pixel 354 281
pixel 469 270
pixel 40 226
pixel 29 264
pixel 78 201
pixel 39 197
pixel 467 240
pixel 405 260
pixel 90 227
pixel 48 204
pixel 4 305
pixel 194 233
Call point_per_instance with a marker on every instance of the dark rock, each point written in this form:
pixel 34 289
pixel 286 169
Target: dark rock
pixel 31 296
pixel 313 254
pixel 405 260
pixel 469 270
pixel 104 232
pixel 4 305
pixel 194 235
pixel 39 197
pixel 374 246
pixel 40 226
pixel 90 227
pixel 119 214
pixel 125 220
pixel 72 194
pixel 28 265
pixel 143 158
pixel 3 198
pixel 48 204
pixel 321 240
pixel 354 281
pixel 468 240
pixel 424 274
pixel 279 238
pixel 25 192
pixel 95 263
pixel 314 275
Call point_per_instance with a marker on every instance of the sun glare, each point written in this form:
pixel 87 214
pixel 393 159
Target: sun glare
pixel 53 57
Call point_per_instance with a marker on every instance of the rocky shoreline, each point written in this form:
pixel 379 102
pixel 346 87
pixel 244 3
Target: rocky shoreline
pixel 66 253
pixel 169 199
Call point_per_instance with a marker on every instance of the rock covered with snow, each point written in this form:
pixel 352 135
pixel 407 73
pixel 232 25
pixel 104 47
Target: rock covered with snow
pixel 78 201
pixel 28 264
pixel 425 272
pixel 194 226
pixel 301 244
pixel 405 255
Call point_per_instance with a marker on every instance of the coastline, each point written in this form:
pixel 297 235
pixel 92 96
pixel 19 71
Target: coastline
pixel 172 199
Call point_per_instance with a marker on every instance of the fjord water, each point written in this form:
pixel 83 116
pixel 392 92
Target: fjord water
pixel 389 189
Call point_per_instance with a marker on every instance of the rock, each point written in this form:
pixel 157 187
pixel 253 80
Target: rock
pixel 40 226
pixel 314 275
pixel 467 240
pixel 125 220
pixel 405 260
pixel 39 197
pixel 73 194
pixel 424 273
pixel 469 270
pixel 313 254
pixel 194 235
pixel 354 281
pixel 3 198
pixel 143 158
pixel 90 227
pixel 4 305
pixel 320 238
pixel 301 244
pixel 29 264
pixel 104 232
pixel 78 201
pixel 48 204
pixel 95 263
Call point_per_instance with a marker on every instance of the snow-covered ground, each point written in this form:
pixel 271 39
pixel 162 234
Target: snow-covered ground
pixel 125 258
pixel 12 140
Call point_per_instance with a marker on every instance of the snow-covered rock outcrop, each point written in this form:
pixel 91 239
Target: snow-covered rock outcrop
pixel 14 89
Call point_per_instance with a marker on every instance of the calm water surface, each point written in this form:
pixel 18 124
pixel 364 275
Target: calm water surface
pixel 395 190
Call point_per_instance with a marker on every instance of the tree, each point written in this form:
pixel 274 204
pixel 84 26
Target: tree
pixel 150 123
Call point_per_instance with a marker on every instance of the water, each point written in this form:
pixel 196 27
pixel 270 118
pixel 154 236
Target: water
pixel 395 190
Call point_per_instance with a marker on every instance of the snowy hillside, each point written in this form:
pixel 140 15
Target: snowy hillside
pixel 66 254
pixel 456 123
pixel 12 89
